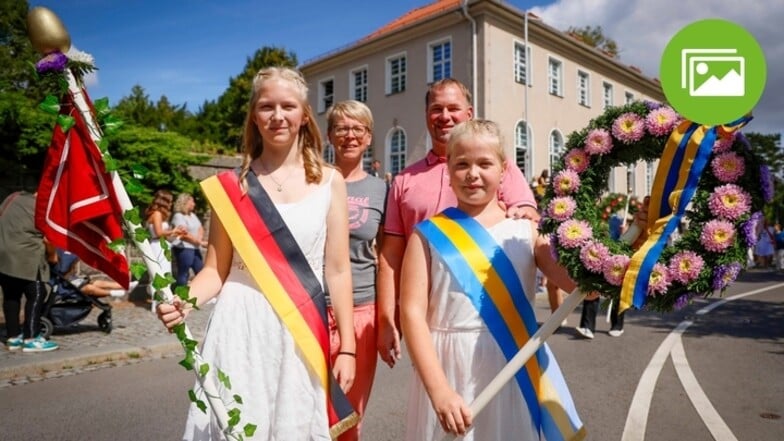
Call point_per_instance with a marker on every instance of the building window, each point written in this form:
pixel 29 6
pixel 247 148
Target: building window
pixel 607 95
pixel 629 98
pixel 556 147
pixel 326 92
pixel 367 158
pixel 359 85
pixel 631 178
pixel 583 88
pixel 522 68
pixel 522 142
pixel 440 61
pixel 396 74
pixel 397 151
pixel 649 175
pixel 555 77
pixel 329 153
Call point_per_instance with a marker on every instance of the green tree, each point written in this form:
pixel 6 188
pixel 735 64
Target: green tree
pixel 594 36
pixel 137 108
pixel 768 147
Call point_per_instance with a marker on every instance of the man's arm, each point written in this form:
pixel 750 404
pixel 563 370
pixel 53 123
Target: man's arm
pixel 516 194
pixel 387 293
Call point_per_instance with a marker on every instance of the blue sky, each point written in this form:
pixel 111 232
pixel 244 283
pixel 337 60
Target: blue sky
pixel 187 50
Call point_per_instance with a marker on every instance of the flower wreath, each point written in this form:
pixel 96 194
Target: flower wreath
pixel 722 216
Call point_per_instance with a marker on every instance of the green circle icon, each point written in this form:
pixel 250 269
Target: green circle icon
pixel 713 72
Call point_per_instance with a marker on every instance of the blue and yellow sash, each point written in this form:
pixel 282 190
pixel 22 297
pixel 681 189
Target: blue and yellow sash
pixel 488 278
pixel 680 167
pixel 277 264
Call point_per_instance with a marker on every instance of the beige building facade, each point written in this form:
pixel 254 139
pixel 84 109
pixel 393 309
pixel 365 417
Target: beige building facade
pixel 538 83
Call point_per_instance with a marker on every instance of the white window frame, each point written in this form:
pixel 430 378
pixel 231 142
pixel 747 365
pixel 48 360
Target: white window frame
pixel 523 147
pixel 583 88
pixel 608 95
pixel 401 76
pixel 354 89
pixel 555 152
pixel 649 176
pixel 367 158
pixel 555 69
pixel 431 63
pixel 323 97
pixel 631 179
pixel 524 66
pixel 396 159
pixel 628 97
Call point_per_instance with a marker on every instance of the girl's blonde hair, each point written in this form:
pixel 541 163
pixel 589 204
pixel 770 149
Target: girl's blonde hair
pixel 161 201
pixel 476 128
pixel 309 136
pixel 181 202
pixel 350 109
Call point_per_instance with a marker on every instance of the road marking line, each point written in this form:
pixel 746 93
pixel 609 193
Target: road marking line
pixel 637 418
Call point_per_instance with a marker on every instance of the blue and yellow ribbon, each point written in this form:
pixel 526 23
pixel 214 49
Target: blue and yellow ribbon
pixel 684 158
pixel 489 279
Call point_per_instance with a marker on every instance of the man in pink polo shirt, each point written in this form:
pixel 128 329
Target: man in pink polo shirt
pixel 422 190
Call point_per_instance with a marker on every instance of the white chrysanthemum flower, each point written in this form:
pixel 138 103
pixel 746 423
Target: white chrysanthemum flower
pixel 75 54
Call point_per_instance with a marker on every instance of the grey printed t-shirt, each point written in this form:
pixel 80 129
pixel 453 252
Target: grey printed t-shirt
pixel 366 202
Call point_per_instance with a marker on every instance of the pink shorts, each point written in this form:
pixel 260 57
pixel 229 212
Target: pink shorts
pixel 367 357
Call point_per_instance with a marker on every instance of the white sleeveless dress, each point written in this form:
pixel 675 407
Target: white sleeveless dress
pixel 468 352
pixel 157 251
pixel 247 341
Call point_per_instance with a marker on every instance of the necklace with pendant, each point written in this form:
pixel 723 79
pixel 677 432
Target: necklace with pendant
pixel 278 184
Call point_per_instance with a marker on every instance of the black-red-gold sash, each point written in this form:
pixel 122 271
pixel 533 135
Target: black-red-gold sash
pixel 277 264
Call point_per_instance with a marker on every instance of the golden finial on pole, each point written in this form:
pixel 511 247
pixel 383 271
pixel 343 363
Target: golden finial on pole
pixel 46 32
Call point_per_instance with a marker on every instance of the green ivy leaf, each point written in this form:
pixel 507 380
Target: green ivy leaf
pixel 192 396
pixel 238 399
pixel 111 164
pixel 65 122
pixel 111 124
pixel 133 215
pixel 190 344
pixel 101 106
pixel 103 145
pixel 134 187
pixel 203 369
pixel 141 233
pixel 202 407
pixel 117 245
pixel 139 171
pixel 249 429
pixel 138 269
pixel 224 379
pixel 182 292
pixel 50 105
pixel 160 282
pixel 179 331
pixel 234 417
pixel 187 362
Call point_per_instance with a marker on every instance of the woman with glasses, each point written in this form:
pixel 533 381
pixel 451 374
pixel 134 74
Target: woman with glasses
pixel 349 128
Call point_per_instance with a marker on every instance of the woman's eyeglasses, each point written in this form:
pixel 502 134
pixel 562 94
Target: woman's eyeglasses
pixel 358 131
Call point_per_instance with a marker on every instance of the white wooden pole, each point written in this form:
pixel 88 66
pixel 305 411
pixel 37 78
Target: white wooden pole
pixel 206 382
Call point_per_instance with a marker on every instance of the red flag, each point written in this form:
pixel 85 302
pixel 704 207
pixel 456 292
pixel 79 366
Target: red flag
pixel 76 208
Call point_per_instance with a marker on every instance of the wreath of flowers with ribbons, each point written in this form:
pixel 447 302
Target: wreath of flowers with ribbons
pixel 699 232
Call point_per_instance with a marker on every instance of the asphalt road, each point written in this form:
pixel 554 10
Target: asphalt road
pixel 729 360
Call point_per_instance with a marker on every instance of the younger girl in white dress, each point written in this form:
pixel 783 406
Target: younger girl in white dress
pixel 451 330
pixel 247 337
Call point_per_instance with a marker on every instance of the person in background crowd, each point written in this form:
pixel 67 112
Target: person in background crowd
pixel 422 190
pixel 186 249
pixel 350 131
pixel 24 269
pixel 375 169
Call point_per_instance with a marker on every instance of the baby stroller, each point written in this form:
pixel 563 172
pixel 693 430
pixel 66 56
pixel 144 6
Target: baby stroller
pixel 66 305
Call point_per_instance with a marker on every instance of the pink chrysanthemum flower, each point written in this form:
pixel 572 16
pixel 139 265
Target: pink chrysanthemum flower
pixel 574 233
pixel 728 167
pixel 686 266
pixel 717 235
pixel 566 182
pixel 729 202
pixel 593 255
pixel 576 160
pixel 614 269
pixel 659 280
pixel 661 121
pixel 628 128
pixel 598 142
pixel 561 208
pixel 723 143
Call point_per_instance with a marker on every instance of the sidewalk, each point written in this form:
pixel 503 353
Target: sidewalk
pixel 137 334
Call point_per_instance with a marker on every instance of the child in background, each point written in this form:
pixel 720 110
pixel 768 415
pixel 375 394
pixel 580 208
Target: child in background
pixel 467 289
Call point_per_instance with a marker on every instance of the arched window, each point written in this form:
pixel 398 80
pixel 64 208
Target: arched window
pixel 367 158
pixel 556 147
pixel 522 147
pixel 329 153
pixel 397 151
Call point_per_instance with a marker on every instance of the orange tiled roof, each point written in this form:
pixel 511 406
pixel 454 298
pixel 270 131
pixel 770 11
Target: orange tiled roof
pixel 414 16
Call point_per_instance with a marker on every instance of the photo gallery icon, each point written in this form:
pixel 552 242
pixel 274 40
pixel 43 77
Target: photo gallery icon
pixel 713 72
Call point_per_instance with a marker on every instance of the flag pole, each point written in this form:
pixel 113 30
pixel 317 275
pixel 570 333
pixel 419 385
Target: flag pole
pixel 526 352
pixel 153 267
